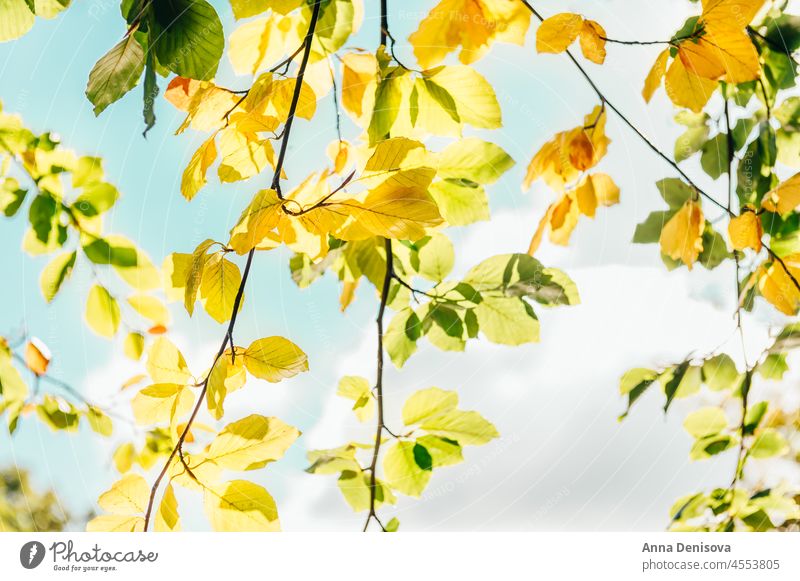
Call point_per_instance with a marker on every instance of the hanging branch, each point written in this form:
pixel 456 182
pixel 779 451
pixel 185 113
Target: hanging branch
pixel 228 338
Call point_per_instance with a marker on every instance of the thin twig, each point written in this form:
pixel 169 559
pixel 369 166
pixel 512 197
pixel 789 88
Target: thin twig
pixel 387 279
pixel 240 292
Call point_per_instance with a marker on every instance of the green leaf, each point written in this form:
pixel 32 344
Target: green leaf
pixel 649 231
pixel 58 415
pixel 55 273
pixel 187 36
pixel 16 19
pixel 42 215
pixel 714 156
pixel 436 257
pixel 100 251
pixel 102 312
pixel 427 403
pixel 507 320
pixel 400 338
pixel 720 373
pixel 408 467
pixel 715 249
pixel 99 422
pixel 355 487
pixel 690 142
pixel 392 525
pixel 150 92
pixel 475 160
pixel 774 366
pixel 675 192
pixel 116 73
pixel 443 452
pixel 754 416
pixel 634 383
pixel 683 381
pixel 11 196
pixel 704 422
pixel 710 446
pixel 769 443
pixel 388 95
pixel 95 199
pixel 441 97
pixel 460 204
pixel 466 428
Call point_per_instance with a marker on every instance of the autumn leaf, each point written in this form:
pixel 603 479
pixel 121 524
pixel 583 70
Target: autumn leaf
pixel 778 284
pixel 682 236
pixel 37 356
pixel 745 230
pixel 720 48
pixel 556 33
pixel 472 25
pixel 784 198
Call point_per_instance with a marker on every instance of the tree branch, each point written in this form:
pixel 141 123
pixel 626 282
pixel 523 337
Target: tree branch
pixel 240 292
pixel 387 279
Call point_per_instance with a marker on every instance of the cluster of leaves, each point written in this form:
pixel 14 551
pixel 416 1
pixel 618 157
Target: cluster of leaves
pixel 562 163
pixel 66 199
pixel 25 509
pixel 737 425
pixel 436 433
pixel 246 444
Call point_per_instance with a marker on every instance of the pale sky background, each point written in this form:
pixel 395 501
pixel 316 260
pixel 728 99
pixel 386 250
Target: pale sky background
pixel 563 461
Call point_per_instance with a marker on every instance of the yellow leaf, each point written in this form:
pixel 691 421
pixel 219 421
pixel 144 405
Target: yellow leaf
pixel 593 44
pixel 256 222
pixel 348 294
pixel 682 236
pixel 723 48
pixel 102 312
pixel 473 96
pixel 471 24
pixel 261 43
pixel 563 219
pixel 207 107
pixel 240 506
pixel 194 274
pixel 194 176
pixel 428 403
pixel 244 155
pixel 165 363
pixel 274 359
pixel 596 189
pixel 127 496
pixel 686 89
pixel 281 99
pixel 251 443
pixel 161 403
pixel 556 33
pixel 133 346
pixel 562 159
pixel 226 377
pixel 175 270
pixel 745 231
pixel 115 523
pixel 784 198
pixel 653 80
pixel 150 308
pixel 37 356
pixel 359 72
pixel 167 518
pixel 401 465
pixel 359 390
pixel 221 280
pixel 777 284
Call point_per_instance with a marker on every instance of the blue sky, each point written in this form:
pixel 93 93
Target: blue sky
pixel 43 76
